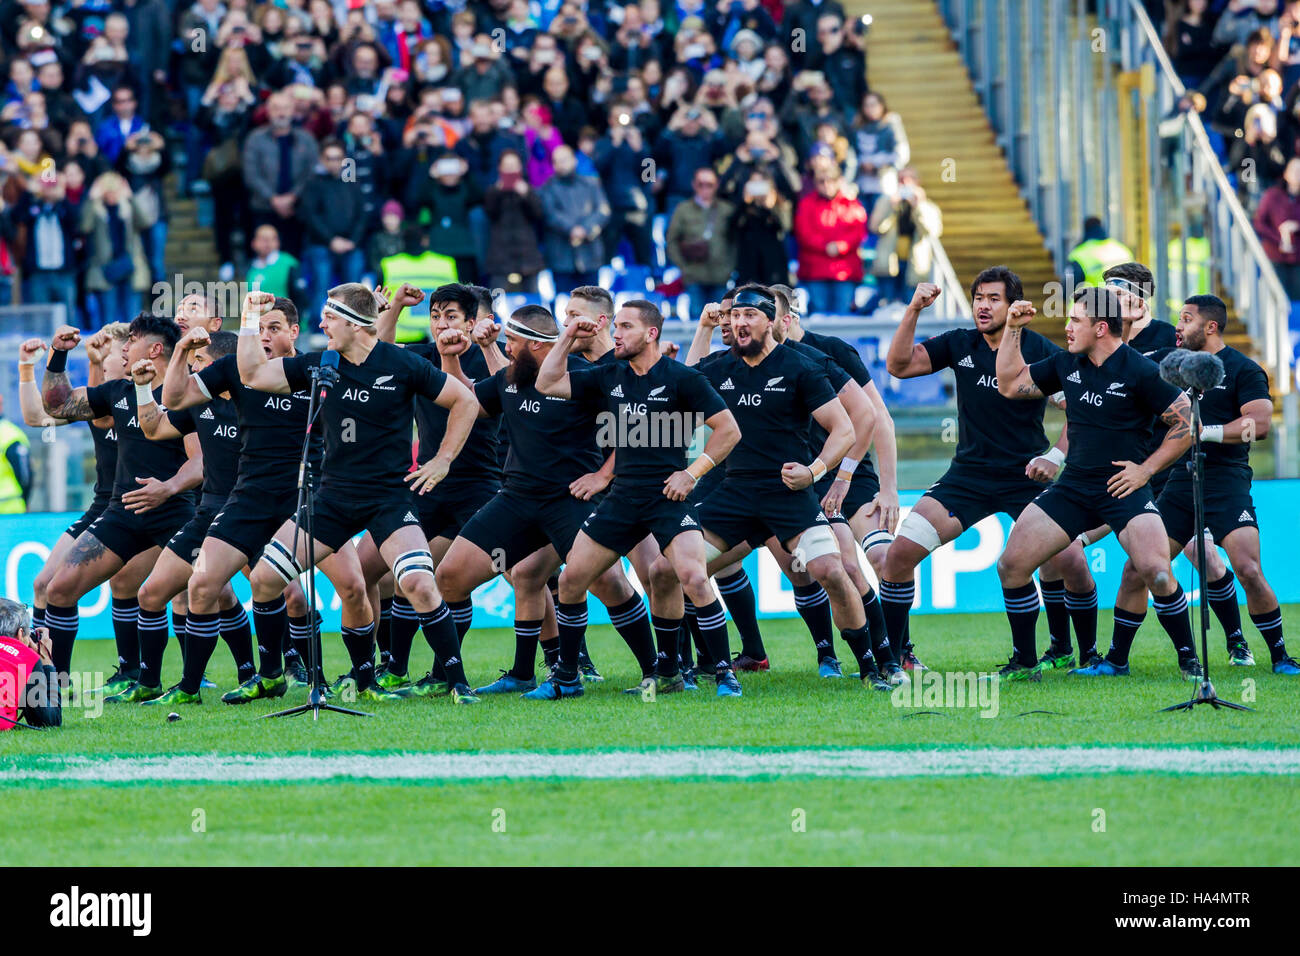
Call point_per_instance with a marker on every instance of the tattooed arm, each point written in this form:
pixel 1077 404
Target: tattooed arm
pixel 1014 380
pixel 61 400
pixel 1132 476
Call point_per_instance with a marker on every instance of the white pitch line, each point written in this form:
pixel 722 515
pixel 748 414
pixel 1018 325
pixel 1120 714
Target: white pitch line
pixel 702 763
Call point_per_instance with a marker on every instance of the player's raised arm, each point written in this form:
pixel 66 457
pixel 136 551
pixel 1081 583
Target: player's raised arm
pixel 153 419
pixel 702 342
pixel 1014 380
pixel 485 334
pixel 29 396
pixel 1132 476
pixel 553 375
pixel 906 357
pixel 180 389
pixel 60 399
pixel 255 370
pixel 406 296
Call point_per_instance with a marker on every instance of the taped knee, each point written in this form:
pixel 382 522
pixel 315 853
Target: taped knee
pixel 817 542
pixel 282 561
pixel 877 539
pixel 917 529
pixel 413 562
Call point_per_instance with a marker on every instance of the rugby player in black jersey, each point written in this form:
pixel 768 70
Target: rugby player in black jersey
pixel 148 504
pixel 1112 395
pixel 474 477
pixel 265 493
pixel 776 394
pixel 198 311
pixel 366 483
pixel 104 351
pixel 650 409
pixel 218 433
pixel 1234 414
pixel 531 523
pixel 1001 460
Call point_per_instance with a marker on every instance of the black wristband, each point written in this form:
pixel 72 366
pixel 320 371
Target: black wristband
pixel 58 360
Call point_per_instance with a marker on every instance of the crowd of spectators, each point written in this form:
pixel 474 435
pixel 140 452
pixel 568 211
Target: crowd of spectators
pixel 496 141
pixel 1240 62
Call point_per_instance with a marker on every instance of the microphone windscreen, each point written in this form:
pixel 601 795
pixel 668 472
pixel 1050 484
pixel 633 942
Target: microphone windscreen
pixel 1171 367
pixel 329 359
pixel 1203 371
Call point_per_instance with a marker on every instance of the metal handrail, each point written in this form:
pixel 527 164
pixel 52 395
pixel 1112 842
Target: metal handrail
pixel 1050 100
pixel 951 292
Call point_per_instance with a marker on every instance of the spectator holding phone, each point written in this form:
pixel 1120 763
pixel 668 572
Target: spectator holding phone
pixel 514 214
pixel 575 212
pixel 905 222
pixel 446 198
pixel 699 242
pixel 757 231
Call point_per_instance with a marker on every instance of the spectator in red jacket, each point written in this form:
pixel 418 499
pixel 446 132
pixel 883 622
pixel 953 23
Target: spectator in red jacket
pixel 1277 220
pixel 829 227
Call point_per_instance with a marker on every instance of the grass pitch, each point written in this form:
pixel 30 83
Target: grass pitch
pixel 800 770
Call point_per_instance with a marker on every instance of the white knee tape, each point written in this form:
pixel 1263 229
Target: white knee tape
pixel 877 539
pixel 710 552
pixel 413 562
pixel 916 528
pixel 282 561
pixel 817 542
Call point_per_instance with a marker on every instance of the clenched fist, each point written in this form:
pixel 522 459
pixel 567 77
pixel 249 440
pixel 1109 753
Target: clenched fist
pixel 143 372
pixel 485 332
pixel 195 338
pixel 28 351
pixel 258 303
pixel 1020 314
pixel 65 339
pixel 924 296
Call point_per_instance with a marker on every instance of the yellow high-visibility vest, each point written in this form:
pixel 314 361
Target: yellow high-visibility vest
pixel 1198 271
pixel 1097 255
pixel 427 272
pixel 11 492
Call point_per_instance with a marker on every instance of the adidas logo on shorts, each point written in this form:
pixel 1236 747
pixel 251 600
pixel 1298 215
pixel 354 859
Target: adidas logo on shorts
pixel 1074 377
pixel 411 518
pixel 688 521
pixel 726 386
pixel 1245 516
pixel 617 393
pixel 1151 506
pixel 966 362
pixel 207 413
pixel 123 405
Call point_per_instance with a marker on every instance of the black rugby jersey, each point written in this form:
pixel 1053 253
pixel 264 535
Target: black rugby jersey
pixel 217 425
pixel 479 458
pixel 137 456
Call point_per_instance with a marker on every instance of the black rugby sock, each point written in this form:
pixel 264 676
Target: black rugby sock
pixel 738 594
pixel 62 624
pixel 881 646
pixel 1222 595
pixel 440 632
pixel 1058 618
pixel 1171 610
pixel 1022 612
pixel 125 635
pixel 633 625
pixel 1082 609
pixel 713 626
pixel 360 644
pixel 550 651
pixel 178 626
pixel 527 634
pixel 401 635
pixel 814 606
pixel 692 624
pixel 270 621
pixel 238 635
pixel 896 604
pixel 859 641
pixel 668 632
pixel 1122 635
pixel 571 621
pixel 1270 628
pixel 383 629
pixel 462 615
pixel 685 652
pixel 201 634
pixel 152 629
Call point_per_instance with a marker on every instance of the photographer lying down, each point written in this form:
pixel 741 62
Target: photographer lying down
pixel 25 664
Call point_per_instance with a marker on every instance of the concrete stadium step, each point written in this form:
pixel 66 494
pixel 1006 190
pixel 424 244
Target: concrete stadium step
pixel 913 62
pixel 190 248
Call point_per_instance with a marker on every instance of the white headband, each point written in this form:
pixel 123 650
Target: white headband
pixel 1119 282
pixel 524 332
pixel 334 305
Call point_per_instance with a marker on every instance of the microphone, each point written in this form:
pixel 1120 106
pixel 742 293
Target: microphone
pixel 327 372
pixel 1202 371
pixel 1171 368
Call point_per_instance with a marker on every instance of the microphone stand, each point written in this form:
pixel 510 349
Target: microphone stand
pixel 1204 692
pixel 303 523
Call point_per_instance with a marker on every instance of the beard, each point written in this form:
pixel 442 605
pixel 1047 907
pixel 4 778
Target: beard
pixel 749 349
pixel 522 370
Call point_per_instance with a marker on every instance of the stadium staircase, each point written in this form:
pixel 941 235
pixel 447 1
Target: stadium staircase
pixel 190 249
pixel 913 62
